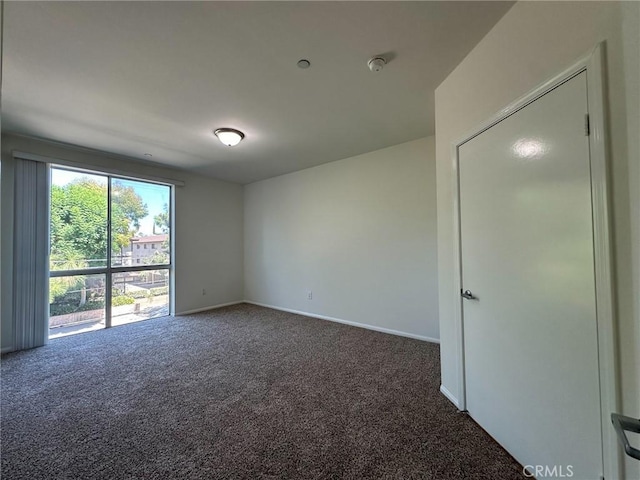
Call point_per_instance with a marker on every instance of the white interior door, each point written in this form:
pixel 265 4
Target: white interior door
pixel 530 336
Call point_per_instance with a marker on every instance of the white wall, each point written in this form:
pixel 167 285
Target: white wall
pixel 530 44
pixel 360 233
pixel 209 228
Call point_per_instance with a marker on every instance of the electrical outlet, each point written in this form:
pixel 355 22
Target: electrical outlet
pixel 204 292
pixel 309 295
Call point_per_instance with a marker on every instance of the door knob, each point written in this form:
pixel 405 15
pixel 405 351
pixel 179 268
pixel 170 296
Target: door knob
pixel 468 295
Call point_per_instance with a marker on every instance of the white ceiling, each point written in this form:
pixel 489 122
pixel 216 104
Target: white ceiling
pixel 158 77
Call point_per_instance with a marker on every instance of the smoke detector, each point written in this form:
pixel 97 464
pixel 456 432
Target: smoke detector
pixel 376 64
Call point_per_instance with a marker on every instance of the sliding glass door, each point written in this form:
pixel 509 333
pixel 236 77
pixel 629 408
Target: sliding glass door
pixel 110 251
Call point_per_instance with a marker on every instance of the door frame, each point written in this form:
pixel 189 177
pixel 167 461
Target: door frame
pixel 593 64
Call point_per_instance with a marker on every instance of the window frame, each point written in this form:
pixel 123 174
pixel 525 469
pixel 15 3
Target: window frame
pixel 109 270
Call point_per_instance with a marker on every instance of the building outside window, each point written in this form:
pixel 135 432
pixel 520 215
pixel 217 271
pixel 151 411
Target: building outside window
pixel 154 249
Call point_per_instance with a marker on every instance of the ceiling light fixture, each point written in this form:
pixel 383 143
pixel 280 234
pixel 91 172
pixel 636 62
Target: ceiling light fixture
pixel 303 63
pixel 229 136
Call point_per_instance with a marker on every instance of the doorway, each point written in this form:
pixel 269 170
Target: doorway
pixel 534 313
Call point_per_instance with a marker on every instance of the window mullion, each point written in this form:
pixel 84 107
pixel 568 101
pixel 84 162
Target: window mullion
pixel 108 278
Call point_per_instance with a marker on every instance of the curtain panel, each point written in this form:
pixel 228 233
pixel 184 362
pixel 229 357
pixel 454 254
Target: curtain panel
pixel 30 268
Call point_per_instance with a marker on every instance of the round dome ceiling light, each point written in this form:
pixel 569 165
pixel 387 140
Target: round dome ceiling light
pixel 229 136
pixel 303 63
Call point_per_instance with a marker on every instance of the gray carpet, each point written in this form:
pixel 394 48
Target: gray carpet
pixel 242 392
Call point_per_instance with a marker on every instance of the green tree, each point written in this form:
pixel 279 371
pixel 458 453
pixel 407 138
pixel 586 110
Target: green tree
pixel 127 209
pixel 79 227
pixel 78 224
pixel 79 221
pixel 127 204
pixel 161 224
pixel 159 257
pixel 59 286
pixel 161 221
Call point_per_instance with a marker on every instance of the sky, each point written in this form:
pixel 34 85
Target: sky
pixel 153 195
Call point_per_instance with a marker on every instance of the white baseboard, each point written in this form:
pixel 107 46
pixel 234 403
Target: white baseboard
pixel 348 322
pixel 449 396
pixel 212 307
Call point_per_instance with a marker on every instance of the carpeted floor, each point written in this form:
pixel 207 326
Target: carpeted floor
pixel 242 392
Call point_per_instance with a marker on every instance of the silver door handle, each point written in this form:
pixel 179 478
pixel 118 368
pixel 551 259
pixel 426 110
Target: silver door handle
pixel 626 424
pixel 468 295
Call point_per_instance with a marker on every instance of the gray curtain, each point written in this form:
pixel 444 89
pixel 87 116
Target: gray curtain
pixel 30 269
